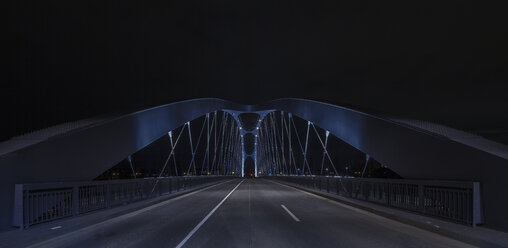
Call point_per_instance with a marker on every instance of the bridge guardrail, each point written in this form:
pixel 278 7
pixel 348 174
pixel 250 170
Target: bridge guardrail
pixel 452 200
pixel 44 202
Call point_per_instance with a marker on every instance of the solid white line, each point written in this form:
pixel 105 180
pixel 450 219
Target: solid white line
pixel 85 231
pixel 206 218
pixel 289 212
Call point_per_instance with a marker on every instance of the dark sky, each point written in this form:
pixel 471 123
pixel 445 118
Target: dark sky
pixel 443 61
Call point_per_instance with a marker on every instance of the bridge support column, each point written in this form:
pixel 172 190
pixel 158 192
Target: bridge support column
pixel 254 132
pixel 243 156
pixel 254 156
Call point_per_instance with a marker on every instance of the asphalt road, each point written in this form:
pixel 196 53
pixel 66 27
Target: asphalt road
pixel 250 213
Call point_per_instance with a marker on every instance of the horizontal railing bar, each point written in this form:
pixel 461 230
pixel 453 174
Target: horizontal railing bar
pixel 57 185
pixel 452 184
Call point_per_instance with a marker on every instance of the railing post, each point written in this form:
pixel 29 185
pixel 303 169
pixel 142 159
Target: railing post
pixel 389 194
pixel 75 200
pixel 327 186
pixel 108 195
pixel 477 210
pixel 18 210
pixel 421 198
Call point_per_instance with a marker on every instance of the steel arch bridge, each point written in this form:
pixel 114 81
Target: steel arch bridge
pixel 414 150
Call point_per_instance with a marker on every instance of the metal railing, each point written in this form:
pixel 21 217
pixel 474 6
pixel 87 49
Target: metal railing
pixel 451 200
pixel 44 202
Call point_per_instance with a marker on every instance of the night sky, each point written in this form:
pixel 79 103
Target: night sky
pixel 440 61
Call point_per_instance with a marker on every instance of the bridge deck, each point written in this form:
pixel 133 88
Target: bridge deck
pixel 252 216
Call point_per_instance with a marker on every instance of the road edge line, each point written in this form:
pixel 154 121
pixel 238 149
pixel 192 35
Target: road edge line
pixel 446 233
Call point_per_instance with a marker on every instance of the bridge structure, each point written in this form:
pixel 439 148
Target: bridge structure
pixel 444 173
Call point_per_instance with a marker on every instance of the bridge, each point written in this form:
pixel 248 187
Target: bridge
pixel 277 174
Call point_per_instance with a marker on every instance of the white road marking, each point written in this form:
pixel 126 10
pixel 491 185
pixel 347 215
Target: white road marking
pixel 289 212
pixel 206 218
pixel 56 227
pixel 385 221
pixel 70 236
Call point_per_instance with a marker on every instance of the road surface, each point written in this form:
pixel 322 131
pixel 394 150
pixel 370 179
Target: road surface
pixel 250 213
